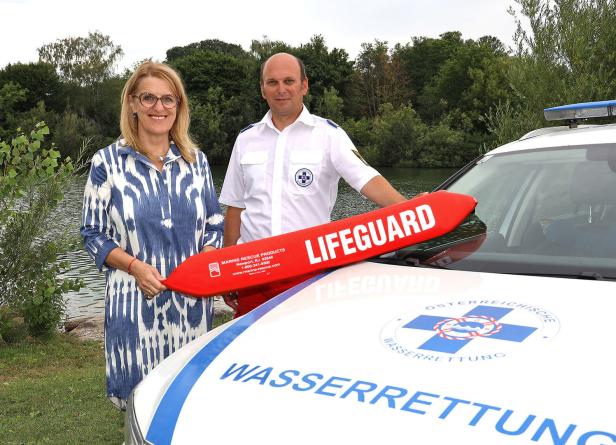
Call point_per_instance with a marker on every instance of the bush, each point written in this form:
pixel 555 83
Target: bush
pixel 12 328
pixel 397 132
pixel 32 180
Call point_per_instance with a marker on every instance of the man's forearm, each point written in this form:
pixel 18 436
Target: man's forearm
pixel 232 226
pixel 381 192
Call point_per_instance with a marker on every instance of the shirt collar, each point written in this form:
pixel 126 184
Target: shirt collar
pixel 172 155
pixel 305 117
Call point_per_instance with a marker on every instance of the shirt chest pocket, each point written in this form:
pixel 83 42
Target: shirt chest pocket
pixel 254 164
pixel 304 171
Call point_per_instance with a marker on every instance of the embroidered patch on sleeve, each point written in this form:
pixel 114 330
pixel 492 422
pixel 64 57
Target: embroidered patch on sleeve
pixel 356 153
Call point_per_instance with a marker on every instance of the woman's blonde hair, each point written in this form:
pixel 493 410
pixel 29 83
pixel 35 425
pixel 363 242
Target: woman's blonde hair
pixel 179 131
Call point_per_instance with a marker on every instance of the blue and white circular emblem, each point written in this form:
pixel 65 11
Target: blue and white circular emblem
pixel 303 177
pixel 469 330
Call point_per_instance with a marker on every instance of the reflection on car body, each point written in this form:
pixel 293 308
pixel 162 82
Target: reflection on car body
pixel 500 332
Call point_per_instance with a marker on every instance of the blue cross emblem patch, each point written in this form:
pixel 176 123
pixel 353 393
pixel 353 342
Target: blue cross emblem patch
pixel 452 334
pixel 303 177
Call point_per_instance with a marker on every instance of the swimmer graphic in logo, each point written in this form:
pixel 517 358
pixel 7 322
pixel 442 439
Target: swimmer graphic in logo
pixel 467 327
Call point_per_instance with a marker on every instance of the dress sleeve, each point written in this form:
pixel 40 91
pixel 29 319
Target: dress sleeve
pixel 96 228
pixel 214 223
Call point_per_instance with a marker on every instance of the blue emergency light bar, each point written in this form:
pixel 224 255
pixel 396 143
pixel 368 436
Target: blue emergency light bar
pixel 584 110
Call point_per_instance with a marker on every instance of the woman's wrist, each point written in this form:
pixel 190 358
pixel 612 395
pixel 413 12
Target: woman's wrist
pixel 130 264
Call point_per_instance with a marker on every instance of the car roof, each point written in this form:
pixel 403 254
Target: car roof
pixel 562 136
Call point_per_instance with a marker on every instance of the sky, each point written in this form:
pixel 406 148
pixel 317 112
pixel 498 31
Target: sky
pixel 147 29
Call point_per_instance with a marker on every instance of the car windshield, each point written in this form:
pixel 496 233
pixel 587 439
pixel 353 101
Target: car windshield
pixel 539 212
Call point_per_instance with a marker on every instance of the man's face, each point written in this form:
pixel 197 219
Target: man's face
pixel 282 87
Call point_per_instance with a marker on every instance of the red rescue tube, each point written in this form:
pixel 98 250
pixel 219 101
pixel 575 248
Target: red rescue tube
pixel 321 247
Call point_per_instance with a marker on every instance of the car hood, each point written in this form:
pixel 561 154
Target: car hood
pixel 378 353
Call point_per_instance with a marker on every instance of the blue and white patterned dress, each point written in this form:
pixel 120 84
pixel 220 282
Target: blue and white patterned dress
pixel 161 218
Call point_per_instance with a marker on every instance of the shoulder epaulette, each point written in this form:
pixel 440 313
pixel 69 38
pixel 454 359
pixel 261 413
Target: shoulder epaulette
pixel 247 128
pixel 332 123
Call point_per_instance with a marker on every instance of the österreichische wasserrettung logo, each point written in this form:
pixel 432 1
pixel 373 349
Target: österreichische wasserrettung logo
pixel 468 331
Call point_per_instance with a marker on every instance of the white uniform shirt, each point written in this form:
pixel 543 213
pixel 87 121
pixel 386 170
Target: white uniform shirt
pixel 288 180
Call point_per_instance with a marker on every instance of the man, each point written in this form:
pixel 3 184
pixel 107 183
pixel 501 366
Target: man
pixel 284 170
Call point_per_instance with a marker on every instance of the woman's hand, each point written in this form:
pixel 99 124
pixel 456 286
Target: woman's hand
pixel 148 279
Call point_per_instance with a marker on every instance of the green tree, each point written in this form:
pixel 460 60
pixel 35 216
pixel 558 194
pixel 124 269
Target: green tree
pixel 214 45
pixel 422 59
pixel 205 69
pixel 40 82
pixel 262 49
pixel 471 81
pixel 207 126
pixel 223 86
pixel 32 179
pixel 84 61
pixel 397 132
pixel 325 68
pixel 566 54
pixel 378 78
pixel 440 146
pixel 329 105
pixel 11 94
pixel 391 138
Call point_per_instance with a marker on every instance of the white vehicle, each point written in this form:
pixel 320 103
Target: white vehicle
pixel 500 332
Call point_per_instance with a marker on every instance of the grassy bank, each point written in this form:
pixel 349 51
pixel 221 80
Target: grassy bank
pixel 53 392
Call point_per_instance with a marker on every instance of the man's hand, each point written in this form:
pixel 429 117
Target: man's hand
pixel 230 300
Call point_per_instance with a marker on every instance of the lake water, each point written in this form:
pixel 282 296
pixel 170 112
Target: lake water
pixel 90 300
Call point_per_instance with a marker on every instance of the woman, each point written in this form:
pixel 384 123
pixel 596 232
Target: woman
pixel 149 204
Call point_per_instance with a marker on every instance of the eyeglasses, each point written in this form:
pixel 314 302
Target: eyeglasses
pixel 148 100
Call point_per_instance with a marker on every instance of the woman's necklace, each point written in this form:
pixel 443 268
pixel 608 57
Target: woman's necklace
pixel 160 158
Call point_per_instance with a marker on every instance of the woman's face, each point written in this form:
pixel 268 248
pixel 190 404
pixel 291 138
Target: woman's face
pixel 155 120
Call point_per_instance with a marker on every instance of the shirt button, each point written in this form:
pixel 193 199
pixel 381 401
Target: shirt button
pixel 166 222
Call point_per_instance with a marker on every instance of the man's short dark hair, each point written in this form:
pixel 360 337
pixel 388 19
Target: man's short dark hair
pixel 302 68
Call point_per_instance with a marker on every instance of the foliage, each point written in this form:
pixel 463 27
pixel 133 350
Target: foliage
pixel 326 69
pixel 206 125
pixel 465 95
pixel 12 328
pixel 84 61
pixel 471 80
pixel 329 105
pixel 205 69
pixel 262 49
pixel 361 133
pixel 565 53
pixel 507 122
pixel 380 78
pixel 422 59
pixel 72 132
pixel 39 82
pixel 32 180
pixel 390 138
pixel 213 45
pixel 397 133
pixel 445 146
pixel 10 95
